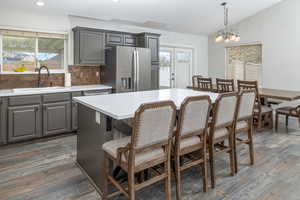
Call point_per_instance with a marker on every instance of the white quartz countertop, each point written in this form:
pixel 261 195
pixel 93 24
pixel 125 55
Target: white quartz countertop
pixel 32 91
pixel 123 105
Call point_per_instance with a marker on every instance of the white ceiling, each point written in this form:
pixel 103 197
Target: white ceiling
pixel 190 16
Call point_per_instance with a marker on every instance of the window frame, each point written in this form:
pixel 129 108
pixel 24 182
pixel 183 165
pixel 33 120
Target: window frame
pixel 52 71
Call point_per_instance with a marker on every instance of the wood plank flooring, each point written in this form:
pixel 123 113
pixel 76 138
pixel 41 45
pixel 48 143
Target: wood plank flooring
pixel 46 169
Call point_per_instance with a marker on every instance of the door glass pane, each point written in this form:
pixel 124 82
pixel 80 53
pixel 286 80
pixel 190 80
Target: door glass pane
pixel 183 66
pixel 18 52
pixel 51 52
pixel 165 69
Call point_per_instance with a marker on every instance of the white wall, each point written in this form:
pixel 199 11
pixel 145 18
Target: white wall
pixel 278 29
pixel 39 22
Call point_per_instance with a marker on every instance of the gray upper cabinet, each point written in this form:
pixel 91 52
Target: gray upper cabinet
pixel 89 46
pixel 57 118
pixel 151 41
pixel 130 40
pixel 24 122
pixel 113 39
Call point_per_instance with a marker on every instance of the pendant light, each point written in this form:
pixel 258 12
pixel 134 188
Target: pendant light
pixel 226 34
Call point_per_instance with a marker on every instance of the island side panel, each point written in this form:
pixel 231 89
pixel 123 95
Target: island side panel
pixel 91 136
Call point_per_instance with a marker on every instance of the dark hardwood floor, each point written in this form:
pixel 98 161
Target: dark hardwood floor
pixel 46 169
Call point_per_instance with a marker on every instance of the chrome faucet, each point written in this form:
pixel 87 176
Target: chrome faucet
pixel 39 76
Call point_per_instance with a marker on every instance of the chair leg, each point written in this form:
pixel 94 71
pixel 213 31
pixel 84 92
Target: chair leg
pixel 276 121
pixel 177 177
pixel 131 184
pixel 259 123
pixel 251 148
pixel 204 171
pixel 271 120
pixel 231 155
pixel 286 121
pixel 235 155
pixel 168 178
pixel 212 165
pixel 106 172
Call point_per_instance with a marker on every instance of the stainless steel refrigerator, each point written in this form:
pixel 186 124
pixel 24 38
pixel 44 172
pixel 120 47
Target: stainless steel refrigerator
pixel 127 69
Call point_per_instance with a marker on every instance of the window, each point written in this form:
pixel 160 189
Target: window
pixel 244 62
pixel 26 51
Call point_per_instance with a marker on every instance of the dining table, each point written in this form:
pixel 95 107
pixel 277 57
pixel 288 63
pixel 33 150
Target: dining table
pixel 267 93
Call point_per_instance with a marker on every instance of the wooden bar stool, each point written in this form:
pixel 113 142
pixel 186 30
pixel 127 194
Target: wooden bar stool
pixel 149 146
pixel 225 85
pixel 222 129
pixel 190 138
pixel 262 113
pixel 205 84
pixel 244 123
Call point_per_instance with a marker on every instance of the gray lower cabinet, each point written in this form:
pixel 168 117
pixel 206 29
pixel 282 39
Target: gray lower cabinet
pixel 56 118
pixel 24 122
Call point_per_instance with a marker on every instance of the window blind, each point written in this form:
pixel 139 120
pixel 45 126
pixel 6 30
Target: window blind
pixel 32 34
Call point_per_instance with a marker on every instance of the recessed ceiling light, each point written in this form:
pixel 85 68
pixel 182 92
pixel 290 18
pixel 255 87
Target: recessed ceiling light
pixel 40 3
pixel 116 1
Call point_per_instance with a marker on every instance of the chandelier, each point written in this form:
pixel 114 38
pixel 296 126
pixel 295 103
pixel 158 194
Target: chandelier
pixel 227 34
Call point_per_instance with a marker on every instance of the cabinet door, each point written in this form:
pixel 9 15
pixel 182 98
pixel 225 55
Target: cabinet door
pixel 113 39
pixel 130 40
pixel 74 116
pixel 153 44
pixel 92 47
pixel 24 122
pixel 57 118
pixel 75 111
pixel 155 77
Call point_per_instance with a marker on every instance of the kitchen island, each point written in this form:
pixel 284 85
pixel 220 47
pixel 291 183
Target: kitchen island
pixel 101 116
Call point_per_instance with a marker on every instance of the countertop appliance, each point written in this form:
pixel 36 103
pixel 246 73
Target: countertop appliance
pixel 127 69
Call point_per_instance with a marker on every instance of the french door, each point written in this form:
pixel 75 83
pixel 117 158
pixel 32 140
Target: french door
pixel 176 66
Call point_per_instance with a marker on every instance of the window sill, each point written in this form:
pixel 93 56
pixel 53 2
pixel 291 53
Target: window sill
pixel 42 72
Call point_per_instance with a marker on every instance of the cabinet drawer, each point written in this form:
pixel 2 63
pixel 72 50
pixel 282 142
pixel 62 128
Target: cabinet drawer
pixel 24 100
pixel 76 94
pixel 56 97
pixel 130 40
pixel 114 39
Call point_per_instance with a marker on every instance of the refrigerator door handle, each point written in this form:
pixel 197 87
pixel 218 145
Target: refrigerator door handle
pixel 137 70
pixel 134 71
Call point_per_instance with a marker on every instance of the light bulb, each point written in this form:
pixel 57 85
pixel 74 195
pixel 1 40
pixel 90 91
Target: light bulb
pixel 40 3
pixel 227 40
pixel 238 38
pixel 116 1
pixel 233 37
pixel 219 38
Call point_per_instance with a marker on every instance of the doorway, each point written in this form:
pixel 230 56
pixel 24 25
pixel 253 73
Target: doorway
pixel 176 66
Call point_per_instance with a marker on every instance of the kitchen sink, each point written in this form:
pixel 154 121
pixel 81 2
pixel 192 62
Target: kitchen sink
pixel 41 89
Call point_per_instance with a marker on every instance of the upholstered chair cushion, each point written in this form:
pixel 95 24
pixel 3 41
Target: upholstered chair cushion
pixel 247 101
pixel 264 109
pixel 226 110
pixel 220 132
pixel 155 126
pixel 189 141
pixel 195 116
pixel 112 146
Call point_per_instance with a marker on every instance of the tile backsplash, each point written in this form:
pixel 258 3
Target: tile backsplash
pixel 81 75
pixel 85 75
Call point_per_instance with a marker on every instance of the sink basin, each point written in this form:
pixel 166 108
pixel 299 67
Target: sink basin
pixel 42 89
